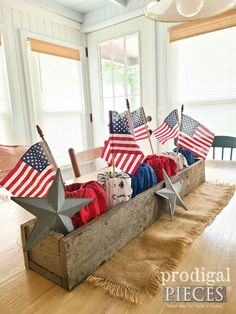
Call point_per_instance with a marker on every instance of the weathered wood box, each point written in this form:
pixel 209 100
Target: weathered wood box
pixel 68 260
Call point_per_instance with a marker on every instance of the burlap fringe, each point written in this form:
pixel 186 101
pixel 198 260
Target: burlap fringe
pixel 136 295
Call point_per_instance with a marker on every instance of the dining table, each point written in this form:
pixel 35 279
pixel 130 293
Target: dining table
pixel 24 291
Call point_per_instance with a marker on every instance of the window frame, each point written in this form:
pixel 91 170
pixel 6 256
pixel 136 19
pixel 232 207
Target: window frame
pixel 8 115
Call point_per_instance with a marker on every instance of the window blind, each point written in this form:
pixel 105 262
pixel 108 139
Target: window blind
pixel 58 100
pixel 203 26
pixel 203 78
pixel 6 136
pixel 53 49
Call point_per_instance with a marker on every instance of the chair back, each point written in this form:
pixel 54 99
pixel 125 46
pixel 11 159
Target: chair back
pixel 224 142
pixel 9 156
pixel 77 159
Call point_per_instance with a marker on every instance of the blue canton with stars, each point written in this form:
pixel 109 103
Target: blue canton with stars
pixel 188 125
pixel 137 118
pixel 172 119
pixel 119 123
pixel 36 158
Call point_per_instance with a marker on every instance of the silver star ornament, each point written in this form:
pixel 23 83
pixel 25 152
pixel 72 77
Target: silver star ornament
pixel 53 212
pixel 171 193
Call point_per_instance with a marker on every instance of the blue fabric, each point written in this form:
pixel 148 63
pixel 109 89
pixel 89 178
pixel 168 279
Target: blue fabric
pixel 188 155
pixel 143 179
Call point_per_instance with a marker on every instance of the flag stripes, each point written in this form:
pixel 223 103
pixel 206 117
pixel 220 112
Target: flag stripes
pixel 164 133
pixel 168 129
pixel 195 137
pixel 32 176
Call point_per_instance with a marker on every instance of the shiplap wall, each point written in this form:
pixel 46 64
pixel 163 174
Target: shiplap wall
pixel 113 11
pixel 17 16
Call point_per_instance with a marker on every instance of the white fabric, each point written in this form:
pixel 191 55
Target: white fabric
pixel 118 189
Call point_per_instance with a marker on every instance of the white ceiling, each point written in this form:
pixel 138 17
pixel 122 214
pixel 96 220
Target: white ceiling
pixel 83 6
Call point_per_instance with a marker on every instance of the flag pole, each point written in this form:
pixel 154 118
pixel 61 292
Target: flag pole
pixel 129 117
pixel 182 110
pixel 149 135
pixel 46 149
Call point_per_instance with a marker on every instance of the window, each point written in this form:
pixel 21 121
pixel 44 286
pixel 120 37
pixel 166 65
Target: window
pixel 120 73
pixel 6 134
pixel 203 78
pixel 58 101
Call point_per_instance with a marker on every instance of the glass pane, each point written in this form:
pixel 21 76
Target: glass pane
pixel 133 85
pixel 106 56
pixel 135 102
pixel 108 105
pixel 120 104
pixel 119 81
pixel 118 53
pixel 107 84
pixel 132 50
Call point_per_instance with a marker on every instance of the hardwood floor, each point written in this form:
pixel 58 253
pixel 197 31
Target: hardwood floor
pixel 24 291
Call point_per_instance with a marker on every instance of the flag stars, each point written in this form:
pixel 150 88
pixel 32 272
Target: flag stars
pixel 36 158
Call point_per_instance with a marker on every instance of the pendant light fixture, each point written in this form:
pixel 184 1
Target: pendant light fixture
pixel 186 10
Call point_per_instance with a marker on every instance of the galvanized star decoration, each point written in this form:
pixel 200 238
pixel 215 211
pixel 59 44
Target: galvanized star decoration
pixel 171 193
pixel 53 212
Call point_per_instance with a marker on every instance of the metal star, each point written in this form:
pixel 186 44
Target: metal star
pixel 171 193
pixel 53 212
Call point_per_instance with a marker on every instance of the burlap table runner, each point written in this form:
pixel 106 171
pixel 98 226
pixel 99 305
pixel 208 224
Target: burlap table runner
pixel 134 272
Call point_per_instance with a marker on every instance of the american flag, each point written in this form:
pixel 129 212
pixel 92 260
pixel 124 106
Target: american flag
pixel 194 137
pixel 32 175
pixel 106 154
pixel 139 124
pixel 122 145
pixel 169 128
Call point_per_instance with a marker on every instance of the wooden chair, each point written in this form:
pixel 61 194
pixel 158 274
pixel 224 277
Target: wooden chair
pixel 224 142
pixel 81 157
pixel 9 156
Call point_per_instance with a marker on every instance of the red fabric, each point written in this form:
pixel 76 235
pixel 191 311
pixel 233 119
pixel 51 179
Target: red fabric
pixel 97 207
pixel 161 162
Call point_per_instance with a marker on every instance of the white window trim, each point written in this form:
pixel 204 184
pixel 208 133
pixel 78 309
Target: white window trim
pixel 29 90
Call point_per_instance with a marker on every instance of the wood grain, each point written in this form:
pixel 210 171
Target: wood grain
pixel 24 291
pixel 82 251
pixel 52 49
pixel 203 26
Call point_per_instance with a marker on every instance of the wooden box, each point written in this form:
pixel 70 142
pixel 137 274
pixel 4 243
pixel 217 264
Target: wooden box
pixel 68 260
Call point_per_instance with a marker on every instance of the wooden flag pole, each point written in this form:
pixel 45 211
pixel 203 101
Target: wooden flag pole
pixel 47 150
pixel 129 117
pixel 182 110
pixel 149 135
pixel 113 166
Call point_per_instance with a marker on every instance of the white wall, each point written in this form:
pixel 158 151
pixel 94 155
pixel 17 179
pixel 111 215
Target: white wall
pixel 17 16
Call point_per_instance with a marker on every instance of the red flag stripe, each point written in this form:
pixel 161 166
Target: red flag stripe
pixel 12 174
pixel 28 186
pixel 17 188
pixel 173 134
pixel 33 190
pixel 162 129
pixel 16 178
pixel 186 142
pixel 193 142
pixel 43 189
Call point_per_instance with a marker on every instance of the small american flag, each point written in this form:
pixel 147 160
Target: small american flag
pixel 169 128
pixel 195 137
pixel 122 145
pixel 32 175
pixel 106 154
pixel 139 124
